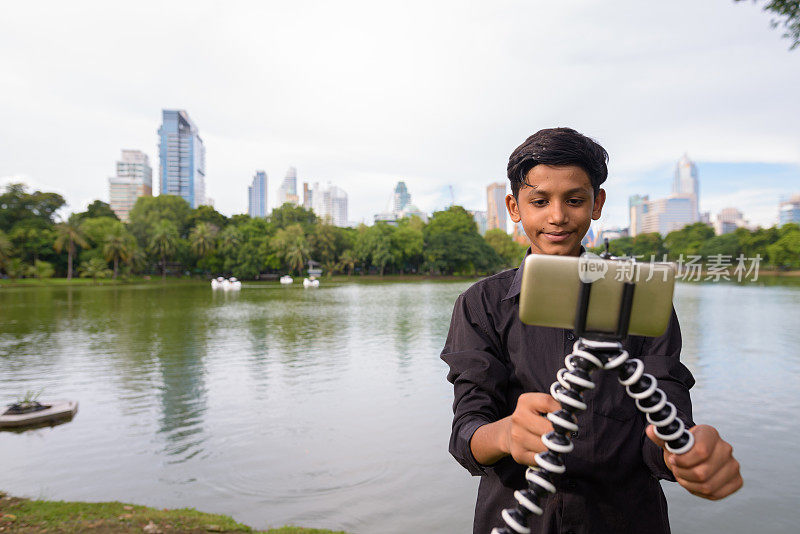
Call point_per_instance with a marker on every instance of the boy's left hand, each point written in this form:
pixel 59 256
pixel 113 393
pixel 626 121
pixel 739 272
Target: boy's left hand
pixel 709 469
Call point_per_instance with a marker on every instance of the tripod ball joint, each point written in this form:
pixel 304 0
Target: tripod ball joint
pixel 571 381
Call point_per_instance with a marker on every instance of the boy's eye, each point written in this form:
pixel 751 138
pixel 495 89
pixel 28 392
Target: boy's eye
pixel 539 203
pixel 575 201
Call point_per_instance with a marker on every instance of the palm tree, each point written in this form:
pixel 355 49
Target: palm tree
pixel 291 246
pixel 203 238
pixel 94 269
pixel 69 235
pixel 118 246
pixel 229 238
pixel 163 241
pixel 348 261
pixel 6 250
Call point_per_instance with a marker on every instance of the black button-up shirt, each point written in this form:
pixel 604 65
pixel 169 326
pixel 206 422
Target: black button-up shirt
pixel 611 482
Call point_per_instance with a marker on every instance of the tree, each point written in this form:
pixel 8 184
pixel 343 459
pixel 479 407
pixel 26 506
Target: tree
pixel 322 243
pixel 119 246
pixel 207 214
pixel 785 13
pixel 6 249
pixel 688 240
pixel 648 245
pixel 453 244
pixel 289 214
pixel 70 235
pixel 410 242
pixel 785 252
pixel 347 260
pixel 509 250
pixel 291 247
pixel 202 238
pixel 94 269
pixel 42 269
pixel 148 211
pixel 16 205
pixel 32 239
pixel 163 242
pixel 96 209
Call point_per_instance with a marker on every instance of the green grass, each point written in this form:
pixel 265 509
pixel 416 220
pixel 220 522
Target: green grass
pixel 27 516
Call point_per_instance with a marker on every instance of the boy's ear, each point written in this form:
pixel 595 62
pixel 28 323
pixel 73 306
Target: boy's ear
pixel 599 200
pixel 513 208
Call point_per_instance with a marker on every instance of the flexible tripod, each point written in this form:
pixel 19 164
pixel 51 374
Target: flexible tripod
pixel 592 351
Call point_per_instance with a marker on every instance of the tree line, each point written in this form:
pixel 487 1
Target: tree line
pixel 778 247
pixel 165 236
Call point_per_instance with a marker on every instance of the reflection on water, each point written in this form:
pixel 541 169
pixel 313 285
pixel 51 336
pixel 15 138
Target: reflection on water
pixel 330 407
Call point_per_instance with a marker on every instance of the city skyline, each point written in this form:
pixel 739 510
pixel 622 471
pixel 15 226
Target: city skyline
pixel 365 116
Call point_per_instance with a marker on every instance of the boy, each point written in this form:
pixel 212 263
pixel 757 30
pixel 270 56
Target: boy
pixel 501 371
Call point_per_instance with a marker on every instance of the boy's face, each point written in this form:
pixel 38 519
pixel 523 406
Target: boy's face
pixel 556 209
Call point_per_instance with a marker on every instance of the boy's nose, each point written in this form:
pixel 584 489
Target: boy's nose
pixel 557 214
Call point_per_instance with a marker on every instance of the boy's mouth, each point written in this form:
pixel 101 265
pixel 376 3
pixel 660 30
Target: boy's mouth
pixel 556 237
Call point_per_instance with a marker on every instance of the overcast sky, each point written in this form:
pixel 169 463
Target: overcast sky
pixel 363 94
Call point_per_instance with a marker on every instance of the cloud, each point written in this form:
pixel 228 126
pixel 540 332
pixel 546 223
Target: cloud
pixel 363 94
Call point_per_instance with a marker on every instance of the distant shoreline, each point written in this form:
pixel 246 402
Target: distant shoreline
pixel 156 280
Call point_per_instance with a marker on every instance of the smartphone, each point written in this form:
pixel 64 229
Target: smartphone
pixel 551 286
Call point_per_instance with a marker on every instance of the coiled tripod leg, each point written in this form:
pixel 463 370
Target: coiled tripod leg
pixel 587 356
pixel 651 401
pixel 572 380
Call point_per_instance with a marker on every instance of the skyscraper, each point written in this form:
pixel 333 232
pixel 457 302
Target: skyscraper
pixel 307 196
pixel 257 195
pixel 685 184
pixel 401 198
pixel 288 190
pixel 662 215
pixel 789 211
pixel 728 220
pixel 480 220
pixel 134 179
pixel 329 204
pixel 182 158
pixel 496 206
pixel 637 207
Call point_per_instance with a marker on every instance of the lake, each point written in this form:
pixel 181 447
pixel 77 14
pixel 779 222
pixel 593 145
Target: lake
pixel 329 407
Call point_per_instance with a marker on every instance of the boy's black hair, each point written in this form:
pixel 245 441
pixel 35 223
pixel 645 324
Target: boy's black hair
pixel 558 146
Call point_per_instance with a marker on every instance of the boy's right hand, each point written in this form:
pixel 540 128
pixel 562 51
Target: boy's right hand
pixel 519 434
pixel 527 425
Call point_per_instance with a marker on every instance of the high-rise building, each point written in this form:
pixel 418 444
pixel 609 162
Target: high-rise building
pixel 637 207
pixel 480 220
pixel 257 195
pixel 307 196
pixel 182 158
pixel 728 220
pixel 134 179
pixel 496 206
pixel 664 215
pixel 789 211
pixel 685 184
pixel 288 189
pixel 401 207
pixel 330 204
pixel 401 197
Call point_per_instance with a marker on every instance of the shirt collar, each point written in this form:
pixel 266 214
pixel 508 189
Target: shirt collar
pixel 516 284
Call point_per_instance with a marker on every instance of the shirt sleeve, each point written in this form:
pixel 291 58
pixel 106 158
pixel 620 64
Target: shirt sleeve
pixel 479 379
pixel 661 357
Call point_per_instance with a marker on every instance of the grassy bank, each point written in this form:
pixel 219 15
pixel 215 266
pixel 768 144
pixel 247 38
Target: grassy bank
pixel 27 516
